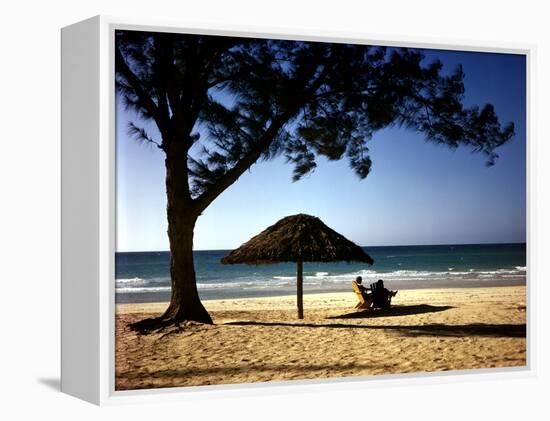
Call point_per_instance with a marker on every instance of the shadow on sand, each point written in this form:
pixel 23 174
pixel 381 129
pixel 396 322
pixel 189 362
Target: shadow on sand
pixel 392 312
pixel 250 368
pixel 474 329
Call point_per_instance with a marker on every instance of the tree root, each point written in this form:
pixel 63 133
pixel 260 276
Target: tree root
pixel 153 324
pixel 159 324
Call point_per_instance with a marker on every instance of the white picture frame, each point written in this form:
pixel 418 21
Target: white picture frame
pixel 88 215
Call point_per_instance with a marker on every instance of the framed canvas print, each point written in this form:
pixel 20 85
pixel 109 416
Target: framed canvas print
pixel 288 210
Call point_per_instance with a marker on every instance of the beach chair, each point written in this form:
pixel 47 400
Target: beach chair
pixel 362 304
pixel 381 297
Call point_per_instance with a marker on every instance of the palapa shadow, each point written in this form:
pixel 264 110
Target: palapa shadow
pixel 394 311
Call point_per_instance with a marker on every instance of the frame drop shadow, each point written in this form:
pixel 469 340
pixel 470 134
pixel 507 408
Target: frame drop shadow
pixel 53 383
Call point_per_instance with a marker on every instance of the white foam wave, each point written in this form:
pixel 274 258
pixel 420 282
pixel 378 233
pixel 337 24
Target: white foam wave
pixel 126 284
pixel 325 279
pixel 133 290
pixel 130 281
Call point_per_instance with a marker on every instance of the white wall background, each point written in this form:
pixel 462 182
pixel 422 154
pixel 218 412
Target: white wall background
pixel 30 195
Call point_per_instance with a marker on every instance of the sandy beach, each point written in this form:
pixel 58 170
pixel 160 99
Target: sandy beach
pixel 260 339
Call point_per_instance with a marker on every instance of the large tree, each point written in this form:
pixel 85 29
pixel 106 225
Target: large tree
pixel 256 99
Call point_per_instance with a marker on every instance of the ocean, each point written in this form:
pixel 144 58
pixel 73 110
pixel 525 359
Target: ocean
pixel 144 276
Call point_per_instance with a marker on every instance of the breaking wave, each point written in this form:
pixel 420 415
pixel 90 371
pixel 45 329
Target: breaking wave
pixel 331 281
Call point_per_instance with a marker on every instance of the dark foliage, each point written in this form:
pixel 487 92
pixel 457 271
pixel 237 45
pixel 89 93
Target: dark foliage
pixel 261 98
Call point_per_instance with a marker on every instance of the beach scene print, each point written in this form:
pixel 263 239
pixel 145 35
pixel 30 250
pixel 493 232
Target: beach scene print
pixel 303 210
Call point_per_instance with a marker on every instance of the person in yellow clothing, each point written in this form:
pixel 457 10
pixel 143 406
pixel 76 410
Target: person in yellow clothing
pixel 365 295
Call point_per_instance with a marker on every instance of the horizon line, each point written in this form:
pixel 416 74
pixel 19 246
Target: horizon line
pixel 391 245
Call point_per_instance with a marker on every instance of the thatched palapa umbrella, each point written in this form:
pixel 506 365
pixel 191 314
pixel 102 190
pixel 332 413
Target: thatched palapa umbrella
pixel 297 238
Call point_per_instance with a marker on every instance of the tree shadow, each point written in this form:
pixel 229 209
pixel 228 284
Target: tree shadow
pixel 393 312
pixel 268 370
pixel 476 329
pixel 53 383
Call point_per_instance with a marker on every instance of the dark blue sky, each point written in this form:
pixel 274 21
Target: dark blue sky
pixel 417 192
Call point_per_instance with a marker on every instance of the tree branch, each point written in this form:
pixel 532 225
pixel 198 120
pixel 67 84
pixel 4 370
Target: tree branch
pixel 141 135
pixel 135 83
pixel 163 59
pixel 260 147
pixel 244 163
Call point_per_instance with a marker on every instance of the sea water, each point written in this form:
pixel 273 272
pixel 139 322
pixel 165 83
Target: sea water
pixel 145 276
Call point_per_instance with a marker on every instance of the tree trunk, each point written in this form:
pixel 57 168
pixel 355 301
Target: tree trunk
pixel 300 289
pixel 184 302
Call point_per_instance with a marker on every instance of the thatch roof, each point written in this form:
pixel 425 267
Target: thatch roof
pixel 297 237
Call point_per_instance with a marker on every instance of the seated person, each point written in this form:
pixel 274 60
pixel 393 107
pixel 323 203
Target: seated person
pixel 382 295
pixel 365 293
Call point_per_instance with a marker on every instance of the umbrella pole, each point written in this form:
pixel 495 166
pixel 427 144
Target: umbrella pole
pixel 300 289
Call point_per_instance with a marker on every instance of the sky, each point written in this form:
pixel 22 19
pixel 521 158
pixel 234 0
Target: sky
pixel 417 192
